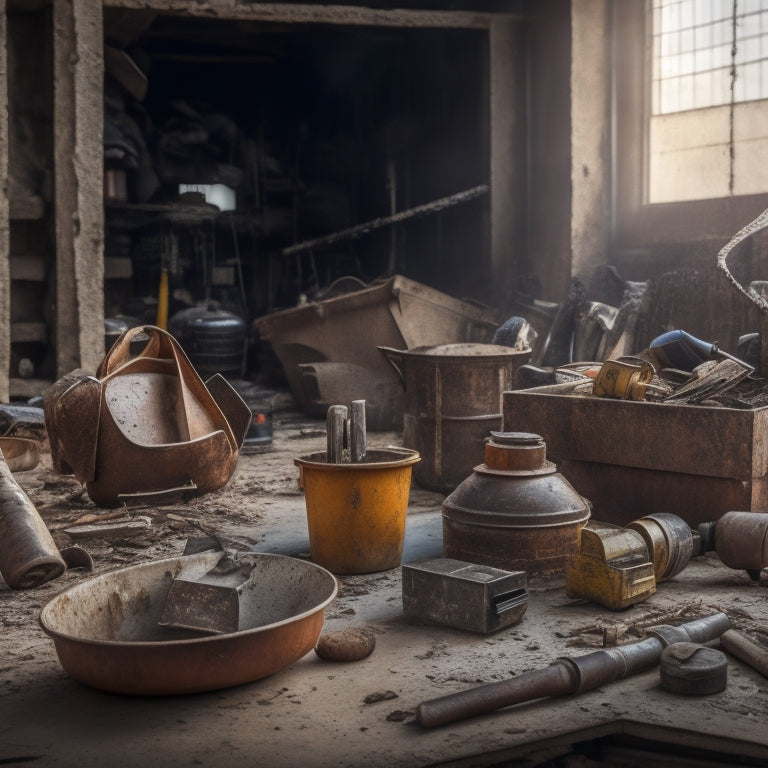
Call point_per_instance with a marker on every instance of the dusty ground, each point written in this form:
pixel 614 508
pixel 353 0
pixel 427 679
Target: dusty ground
pixel 319 714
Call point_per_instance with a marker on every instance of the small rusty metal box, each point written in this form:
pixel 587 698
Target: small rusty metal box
pixel 210 603
pixel 463 595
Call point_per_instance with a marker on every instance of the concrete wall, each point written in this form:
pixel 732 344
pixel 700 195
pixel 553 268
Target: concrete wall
pixel 691 152
pixel 547 259
pixel 5 271
pixel 550 136
pixel 590 135
pixel 79 202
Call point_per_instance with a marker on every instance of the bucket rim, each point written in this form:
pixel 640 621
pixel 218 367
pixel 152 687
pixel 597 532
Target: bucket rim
pixel 397 457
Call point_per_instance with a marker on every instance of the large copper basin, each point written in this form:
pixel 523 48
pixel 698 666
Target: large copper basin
pixel 107 634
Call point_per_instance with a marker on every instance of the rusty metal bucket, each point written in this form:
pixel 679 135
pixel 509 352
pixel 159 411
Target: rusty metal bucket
pixel 108 633
pixel 453 399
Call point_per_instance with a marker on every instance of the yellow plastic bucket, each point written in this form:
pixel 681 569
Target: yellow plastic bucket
pixel 356 512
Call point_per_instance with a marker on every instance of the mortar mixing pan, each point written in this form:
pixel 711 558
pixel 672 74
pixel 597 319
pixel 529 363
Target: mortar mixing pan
pixel 107 631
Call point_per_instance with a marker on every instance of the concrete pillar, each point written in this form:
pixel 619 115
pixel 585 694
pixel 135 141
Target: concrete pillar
pixel 590 135
pixel 507 171
pixel 78 195
pixel 5 264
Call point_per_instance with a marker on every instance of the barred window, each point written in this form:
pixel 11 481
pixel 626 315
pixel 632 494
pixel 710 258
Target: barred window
pixel 708 123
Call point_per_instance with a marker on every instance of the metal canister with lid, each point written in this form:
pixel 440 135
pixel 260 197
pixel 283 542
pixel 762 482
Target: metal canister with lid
pixel 515 511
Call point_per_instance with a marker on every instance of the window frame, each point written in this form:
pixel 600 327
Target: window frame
pixel 636 223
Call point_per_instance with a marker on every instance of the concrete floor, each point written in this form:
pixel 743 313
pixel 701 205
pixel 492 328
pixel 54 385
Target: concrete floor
pixel 328 715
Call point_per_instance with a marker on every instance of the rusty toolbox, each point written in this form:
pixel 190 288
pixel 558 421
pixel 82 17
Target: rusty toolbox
pixel 633 458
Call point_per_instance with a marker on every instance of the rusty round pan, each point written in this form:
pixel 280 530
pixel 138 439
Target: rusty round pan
pixel 107 630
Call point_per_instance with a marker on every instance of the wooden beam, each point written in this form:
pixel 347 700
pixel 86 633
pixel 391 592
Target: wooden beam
pixel 315 14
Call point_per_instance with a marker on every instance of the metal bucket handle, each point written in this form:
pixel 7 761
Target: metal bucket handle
pixel 395 358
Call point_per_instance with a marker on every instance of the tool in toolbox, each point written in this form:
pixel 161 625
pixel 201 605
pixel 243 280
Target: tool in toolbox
pixel 570 674
pixel 717 379
pixel 626 378
pixel 678 349
pixel 468 596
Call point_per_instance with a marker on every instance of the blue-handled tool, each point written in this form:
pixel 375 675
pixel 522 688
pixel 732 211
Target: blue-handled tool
pixel 678 349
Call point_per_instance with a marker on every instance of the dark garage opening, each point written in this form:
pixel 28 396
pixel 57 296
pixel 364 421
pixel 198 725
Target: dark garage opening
pixel 317 128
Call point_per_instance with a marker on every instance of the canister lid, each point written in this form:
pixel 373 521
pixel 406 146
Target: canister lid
pixel 516 438
pixel 693 669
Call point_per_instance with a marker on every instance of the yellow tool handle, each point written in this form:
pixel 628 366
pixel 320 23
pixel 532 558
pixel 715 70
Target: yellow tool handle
pixel 162 301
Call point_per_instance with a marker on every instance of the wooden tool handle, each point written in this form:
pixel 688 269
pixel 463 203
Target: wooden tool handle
pixel 747 650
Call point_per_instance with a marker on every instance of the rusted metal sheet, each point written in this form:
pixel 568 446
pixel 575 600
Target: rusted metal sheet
pixel 398 313
pixel 147 425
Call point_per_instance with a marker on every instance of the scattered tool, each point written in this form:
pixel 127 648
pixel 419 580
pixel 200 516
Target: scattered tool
pixel 670 541
pixel 612 568
pixel 618 567
pixel 28 554
pixel 693 669
pixel 744 648
pixel 740 540
pixel 570 674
